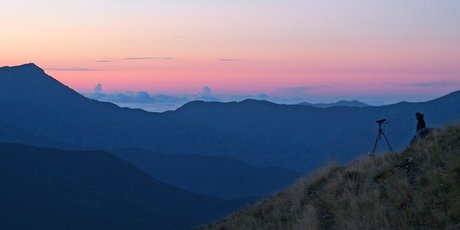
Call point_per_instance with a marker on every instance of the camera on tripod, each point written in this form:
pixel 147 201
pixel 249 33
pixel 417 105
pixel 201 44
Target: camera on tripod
pixel 382 121
pixel 380 134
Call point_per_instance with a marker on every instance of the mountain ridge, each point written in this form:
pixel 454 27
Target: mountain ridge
pixel 259 133
pixel 38 111
pixel 49 188
pixel 344 103
pixel 28 67
pixel 222 177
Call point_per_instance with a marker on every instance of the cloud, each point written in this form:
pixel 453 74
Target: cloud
pixel 133 59
pixel 206 95
pixel 164 102
pixel 152 102
pixel 73 69
pixel 435 84
pixel 303 89
pixel 146 58
pixel 98 88
pixel 297 88
pixel 229 59
pixel 139 97
pixel 206 91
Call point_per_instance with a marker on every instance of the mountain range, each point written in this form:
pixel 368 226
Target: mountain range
pixel 222 177
pixel 303 137
pixel 38 110
pixel 128 168
pixel 43 188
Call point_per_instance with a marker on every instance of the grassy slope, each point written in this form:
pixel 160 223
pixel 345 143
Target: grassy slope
pixel 418 188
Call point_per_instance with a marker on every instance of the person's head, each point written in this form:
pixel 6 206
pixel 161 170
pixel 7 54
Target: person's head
pixel 419 116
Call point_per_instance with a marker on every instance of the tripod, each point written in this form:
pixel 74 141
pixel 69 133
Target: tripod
pixel 379 136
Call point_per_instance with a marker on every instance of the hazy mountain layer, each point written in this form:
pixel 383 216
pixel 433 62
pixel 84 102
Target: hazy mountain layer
pixel 353 103
pixel 56 189
pixel 218 176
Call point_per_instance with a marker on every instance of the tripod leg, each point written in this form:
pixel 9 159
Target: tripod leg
pixel 376 142
pixel 388 143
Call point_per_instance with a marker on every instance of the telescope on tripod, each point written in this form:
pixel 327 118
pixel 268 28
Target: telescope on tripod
pixel 380 134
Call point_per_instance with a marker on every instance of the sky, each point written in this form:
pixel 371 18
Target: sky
pixel 377 51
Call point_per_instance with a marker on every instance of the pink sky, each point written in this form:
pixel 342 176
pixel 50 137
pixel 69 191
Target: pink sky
pixel 286 48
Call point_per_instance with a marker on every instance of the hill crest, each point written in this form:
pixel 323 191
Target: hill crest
pixel 28 68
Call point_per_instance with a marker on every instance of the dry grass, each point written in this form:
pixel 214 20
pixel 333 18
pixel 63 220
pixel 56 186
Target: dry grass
pixel 419 188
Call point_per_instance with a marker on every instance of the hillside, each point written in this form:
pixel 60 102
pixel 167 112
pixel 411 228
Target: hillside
pixel 222 177
pixel 44 188
pixel 416 189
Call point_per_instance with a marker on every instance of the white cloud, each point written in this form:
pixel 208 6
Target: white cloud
pixel 206 91
pixel 98 88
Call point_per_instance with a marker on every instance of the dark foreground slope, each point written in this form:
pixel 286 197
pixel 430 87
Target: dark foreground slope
pixel 417 189
pixel 56 189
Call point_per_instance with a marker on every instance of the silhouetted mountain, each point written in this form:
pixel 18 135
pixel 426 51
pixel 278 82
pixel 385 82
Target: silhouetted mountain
pixel 353 103
pixel 304 137
pixel 56 189
pixel 218 176
pixel 37 109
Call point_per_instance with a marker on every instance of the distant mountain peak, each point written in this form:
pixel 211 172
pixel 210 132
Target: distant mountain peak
pixel 341 103
pixel 199 104
pixel 29 67
pixel 28 81
pixel 449 98
pixel 26 65
pixel 452 94
pixel 256 102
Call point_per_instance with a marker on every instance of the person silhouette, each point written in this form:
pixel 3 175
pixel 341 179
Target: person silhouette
pixel 422 130
pixel 420 121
